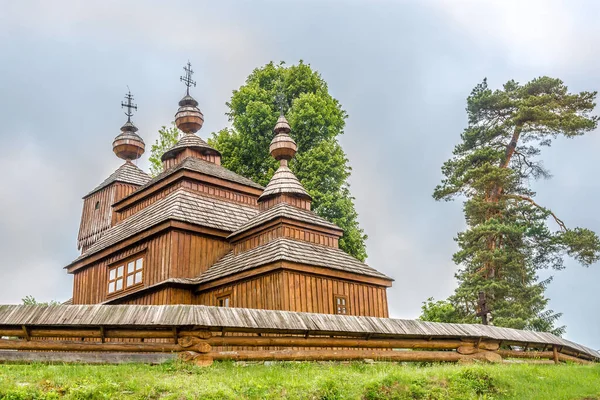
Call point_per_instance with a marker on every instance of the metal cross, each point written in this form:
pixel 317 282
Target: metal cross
pixel 482 309
pixel 280 98
pixel 129 105
pixel 187 79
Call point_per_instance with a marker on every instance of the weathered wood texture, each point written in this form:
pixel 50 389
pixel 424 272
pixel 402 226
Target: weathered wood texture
pixel 207 189
pixel 315 294
pixel 172 254
pixel 285 230
pixel 268 321
pixel 11 356
pixel 348 355
pixel 284 198
pixel 297 291
pixel 97 214
pixel 172 162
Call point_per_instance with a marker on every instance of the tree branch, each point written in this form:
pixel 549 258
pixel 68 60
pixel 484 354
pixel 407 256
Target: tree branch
pixel 530 200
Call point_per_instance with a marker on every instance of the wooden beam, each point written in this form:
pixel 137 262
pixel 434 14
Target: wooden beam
pixel 348 355
pixel 11 356
pixel 295 341
pixel 55 345
pixel 555 354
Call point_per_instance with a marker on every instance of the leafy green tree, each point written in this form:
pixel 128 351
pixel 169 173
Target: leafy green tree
pixel 167 138
pixel 316 118
pixel 509 238
pixel 29 300
pixel 439 311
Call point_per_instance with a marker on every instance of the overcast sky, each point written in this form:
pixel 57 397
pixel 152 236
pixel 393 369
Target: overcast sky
pixel 401 69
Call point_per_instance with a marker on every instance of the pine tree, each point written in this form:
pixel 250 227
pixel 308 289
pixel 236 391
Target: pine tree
pixel 508 238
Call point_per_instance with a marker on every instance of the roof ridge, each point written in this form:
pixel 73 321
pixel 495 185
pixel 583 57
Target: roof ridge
pixel 136 176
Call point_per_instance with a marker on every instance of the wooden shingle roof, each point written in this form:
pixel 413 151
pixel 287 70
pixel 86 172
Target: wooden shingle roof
pixel 203 167
pixel 284 249
pixel 284 181
pixel 126 173
pixel 180 205
pixel 189 140
pixel 283 322
pixel 285 210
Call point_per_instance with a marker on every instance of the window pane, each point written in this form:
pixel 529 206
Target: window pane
pixel 111 287
pixel 226 301
pixel 139 263
pixel 119 284
pixel 112 274
pixel 138 277
pixel 120 271
pixel 130 267
pixel 337 300
pixel 129 280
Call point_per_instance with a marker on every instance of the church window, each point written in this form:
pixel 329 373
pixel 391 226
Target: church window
pixel 224 301
pixel 341 304
pixel 125 274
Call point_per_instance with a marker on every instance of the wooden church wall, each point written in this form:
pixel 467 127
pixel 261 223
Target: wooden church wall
pixel 296 291
pixel 193 253
pixel 166 295
pixel 284 230
pixel 263 292
pixel 90 284
pixel 96 220
pixel 314 293
pixel 173 254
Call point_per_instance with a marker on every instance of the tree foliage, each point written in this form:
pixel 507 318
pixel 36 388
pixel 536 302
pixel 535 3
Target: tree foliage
pixel 29 300
pixel 167 138
pixel 316 118
pixel 509 238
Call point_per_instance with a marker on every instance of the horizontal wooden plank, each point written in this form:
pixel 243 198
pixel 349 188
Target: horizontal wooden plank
pixel 11 356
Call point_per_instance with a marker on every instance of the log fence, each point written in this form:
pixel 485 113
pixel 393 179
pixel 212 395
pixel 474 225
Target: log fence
pixel 158 333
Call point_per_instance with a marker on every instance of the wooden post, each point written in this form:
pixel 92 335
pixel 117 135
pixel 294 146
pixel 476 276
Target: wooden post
pixel 555 354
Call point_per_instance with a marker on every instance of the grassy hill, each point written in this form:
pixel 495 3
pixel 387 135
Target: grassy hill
pixel 300 381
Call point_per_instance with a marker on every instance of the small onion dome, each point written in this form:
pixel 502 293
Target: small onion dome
pixel 189 118
pixel 284 182
pixel 283 147
pixel 282 125
pixel 129 145
pixel 189 141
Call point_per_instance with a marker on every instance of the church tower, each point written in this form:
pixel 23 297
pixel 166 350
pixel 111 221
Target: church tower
pixel 97 215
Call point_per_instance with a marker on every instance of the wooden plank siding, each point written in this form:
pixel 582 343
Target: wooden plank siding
pixel 95 221
pixel 296 291
pixel 171 254
pixel 285 230
pixel 260 292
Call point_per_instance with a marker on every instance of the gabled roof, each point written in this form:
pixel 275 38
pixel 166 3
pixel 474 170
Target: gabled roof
pixel 180 205
pixel 126 173
pixel 284 181
pixel 204 167
pixel 189 140
pixel 285 210
pixel 284 249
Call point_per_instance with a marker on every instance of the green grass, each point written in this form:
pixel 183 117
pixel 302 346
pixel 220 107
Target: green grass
pixel 325 381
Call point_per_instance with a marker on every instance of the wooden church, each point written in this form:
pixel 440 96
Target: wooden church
pixel 199 233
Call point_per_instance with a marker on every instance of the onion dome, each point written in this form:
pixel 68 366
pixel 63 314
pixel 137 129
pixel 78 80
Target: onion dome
pixel 129 145
pixel 189 118
pixel 282 146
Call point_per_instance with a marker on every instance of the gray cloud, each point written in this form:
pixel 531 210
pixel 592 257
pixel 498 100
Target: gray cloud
pixel 401 69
